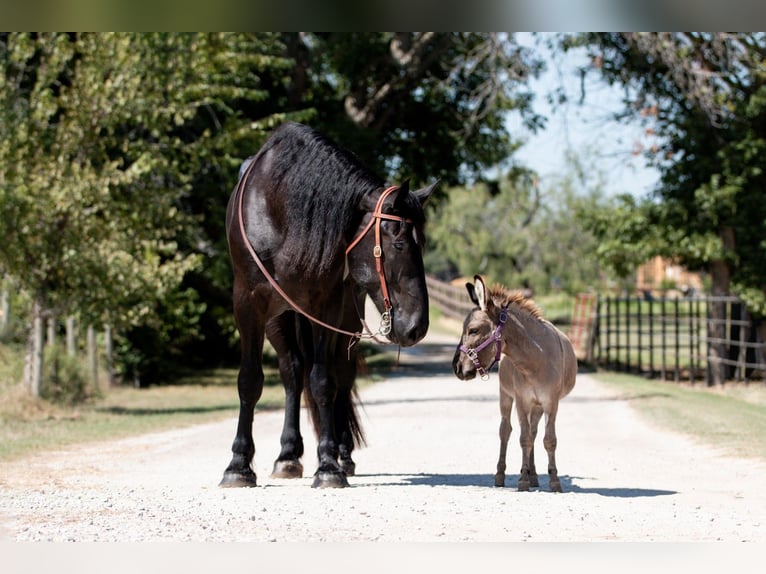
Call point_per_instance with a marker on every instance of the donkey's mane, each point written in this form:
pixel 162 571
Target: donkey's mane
pixel 504 297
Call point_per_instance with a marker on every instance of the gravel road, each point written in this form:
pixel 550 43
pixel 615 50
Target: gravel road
pixel 426 475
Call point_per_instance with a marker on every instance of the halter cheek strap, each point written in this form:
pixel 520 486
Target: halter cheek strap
pixel 497 338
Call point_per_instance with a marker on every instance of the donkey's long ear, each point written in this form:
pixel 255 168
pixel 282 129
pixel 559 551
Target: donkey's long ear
pixel 481 293
pixel 472 293
pixel 423 194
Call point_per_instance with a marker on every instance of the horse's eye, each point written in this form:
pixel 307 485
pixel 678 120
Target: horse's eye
pixel 473 331
pixel 398 245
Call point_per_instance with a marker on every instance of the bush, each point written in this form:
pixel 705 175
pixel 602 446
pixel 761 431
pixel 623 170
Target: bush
pixel 65 380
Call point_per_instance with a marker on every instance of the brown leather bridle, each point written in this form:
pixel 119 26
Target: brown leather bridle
pixel 377 252
pixel 377 216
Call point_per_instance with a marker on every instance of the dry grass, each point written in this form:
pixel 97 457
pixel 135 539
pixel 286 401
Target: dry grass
pixel 31 425
pixel 731 418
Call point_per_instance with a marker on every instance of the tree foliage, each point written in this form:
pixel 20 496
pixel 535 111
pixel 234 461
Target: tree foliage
pixel 118 153
pixel 518 234
pixel 704 94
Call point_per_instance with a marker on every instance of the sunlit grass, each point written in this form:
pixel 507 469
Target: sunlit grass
pixel 730 418
pixel 29 425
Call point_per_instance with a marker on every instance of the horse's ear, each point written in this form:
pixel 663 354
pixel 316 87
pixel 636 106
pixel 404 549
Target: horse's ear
pixel 481 293
pixel 424 193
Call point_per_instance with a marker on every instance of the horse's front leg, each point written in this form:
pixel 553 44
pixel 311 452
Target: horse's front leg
pixel 250 386
pixel 284 333
pixel 323 389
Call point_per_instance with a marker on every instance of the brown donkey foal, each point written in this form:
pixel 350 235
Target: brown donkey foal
pixel 537 369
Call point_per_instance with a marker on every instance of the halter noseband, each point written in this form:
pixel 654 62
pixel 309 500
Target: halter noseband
pixel 495 337
pixel 377 252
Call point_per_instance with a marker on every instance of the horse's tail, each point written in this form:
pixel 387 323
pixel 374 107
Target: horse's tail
pixel 346 401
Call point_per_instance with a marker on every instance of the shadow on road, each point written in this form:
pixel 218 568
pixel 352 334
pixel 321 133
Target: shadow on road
pixel 511 480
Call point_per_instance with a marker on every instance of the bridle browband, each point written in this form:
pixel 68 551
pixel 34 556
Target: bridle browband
pixel 377 216
pixel 495 337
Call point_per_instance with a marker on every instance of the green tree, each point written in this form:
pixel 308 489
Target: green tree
pixel 100 137
pixel 704 94
pixel 518 234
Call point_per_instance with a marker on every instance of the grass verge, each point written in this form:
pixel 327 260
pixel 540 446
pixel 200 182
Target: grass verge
pixel 29 425
pixel 731 419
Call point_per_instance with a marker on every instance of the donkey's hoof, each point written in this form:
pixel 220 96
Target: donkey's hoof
pixel 348 466
pixel 329 479
pixel 500 480
pixel 238 479
pixel 523 486
pixel 287 469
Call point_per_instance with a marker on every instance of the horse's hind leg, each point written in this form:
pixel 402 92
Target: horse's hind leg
pixel 283 332
pixel 506 405
pixel 250 386
pixel 549 441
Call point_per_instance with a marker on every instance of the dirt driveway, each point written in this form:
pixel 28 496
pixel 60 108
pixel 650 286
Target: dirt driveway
pixel 425 476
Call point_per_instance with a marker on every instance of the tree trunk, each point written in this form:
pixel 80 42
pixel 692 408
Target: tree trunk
pixel 721 278
pixel 33 367
pixel 108 349
pixel 5 311
pixel 71 340
pixel 92 359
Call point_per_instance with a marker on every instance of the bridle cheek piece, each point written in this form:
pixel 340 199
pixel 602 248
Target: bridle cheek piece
pixel 497 338
pixel 377 252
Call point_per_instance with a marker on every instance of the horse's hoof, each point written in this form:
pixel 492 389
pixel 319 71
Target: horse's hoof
pixel 238 479
pixel 328 479
pixel 555 486
pixel 523 486
pixel 287 469
pixel 500 480
pixel 348 466
pixel 533 481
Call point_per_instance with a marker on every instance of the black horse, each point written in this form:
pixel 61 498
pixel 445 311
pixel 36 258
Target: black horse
pixel 310 232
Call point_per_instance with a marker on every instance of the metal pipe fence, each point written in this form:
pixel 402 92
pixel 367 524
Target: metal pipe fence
pixel 712 339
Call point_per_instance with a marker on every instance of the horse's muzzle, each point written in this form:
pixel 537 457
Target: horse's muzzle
pixel 408 332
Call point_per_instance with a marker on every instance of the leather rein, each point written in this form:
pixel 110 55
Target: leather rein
pixel 377 217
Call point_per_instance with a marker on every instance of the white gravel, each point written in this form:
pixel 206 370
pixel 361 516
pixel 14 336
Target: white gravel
pixel 425 476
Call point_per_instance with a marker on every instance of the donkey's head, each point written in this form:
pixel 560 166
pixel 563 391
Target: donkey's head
pixel 480 344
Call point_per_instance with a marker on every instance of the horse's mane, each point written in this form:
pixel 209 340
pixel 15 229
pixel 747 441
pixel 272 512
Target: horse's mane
pixel 322 183
pixel 504 297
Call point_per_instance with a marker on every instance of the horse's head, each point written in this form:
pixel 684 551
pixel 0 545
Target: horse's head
pixel 480 344
pixel 386 259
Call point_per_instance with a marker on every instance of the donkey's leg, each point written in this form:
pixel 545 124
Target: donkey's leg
pixel 549 441
pixel 525 440
pixel 534 420
pixel 323 390
pixel 249 385
pixel 506 405
pixel 281 332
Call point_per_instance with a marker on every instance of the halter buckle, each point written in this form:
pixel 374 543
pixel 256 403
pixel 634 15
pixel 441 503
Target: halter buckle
pixel 377 252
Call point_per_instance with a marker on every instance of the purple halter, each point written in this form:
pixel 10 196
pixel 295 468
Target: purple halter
pixel 496 338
